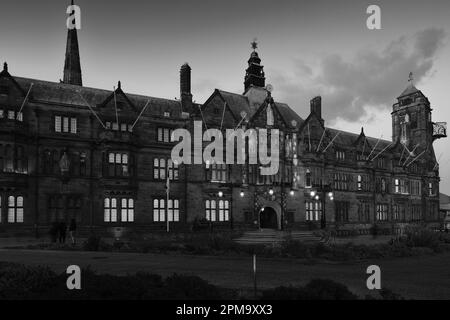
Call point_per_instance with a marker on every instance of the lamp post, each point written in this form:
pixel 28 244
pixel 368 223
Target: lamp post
pixel 322 192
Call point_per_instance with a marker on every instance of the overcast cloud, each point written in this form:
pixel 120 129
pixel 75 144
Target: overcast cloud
pixel 369 79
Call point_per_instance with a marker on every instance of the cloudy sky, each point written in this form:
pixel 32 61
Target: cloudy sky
pixel 307 47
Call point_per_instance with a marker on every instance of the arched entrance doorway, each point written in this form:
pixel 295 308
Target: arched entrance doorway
pixel 268 218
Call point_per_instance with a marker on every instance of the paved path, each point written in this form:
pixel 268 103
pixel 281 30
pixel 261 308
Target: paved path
pixel 426 277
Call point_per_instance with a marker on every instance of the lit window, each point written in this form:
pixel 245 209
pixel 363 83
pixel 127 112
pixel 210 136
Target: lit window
pixel 11 115
pixel 65 124
pixel 118 164
pixel 218 172
pixel 313 210
pixel 217 210
pixel 127 210
pixel 15 209
pixel 110 209
pixel 382 212
pixel 73 125
pixel 57 124
pixel 165 135
pixel 159 212
pixel 159 169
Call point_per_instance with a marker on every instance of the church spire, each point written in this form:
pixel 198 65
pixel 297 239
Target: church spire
pixel 254 75
pixel 72 67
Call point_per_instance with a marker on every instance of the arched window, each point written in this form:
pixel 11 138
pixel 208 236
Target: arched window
pixel 15 209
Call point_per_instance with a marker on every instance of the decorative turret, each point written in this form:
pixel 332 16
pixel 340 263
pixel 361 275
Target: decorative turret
pixel 254 75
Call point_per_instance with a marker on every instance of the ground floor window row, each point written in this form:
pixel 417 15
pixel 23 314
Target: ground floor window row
pixel 14 209
pixel 313 212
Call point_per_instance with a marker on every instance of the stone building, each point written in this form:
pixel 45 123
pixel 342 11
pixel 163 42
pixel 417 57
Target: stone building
pixel 102 157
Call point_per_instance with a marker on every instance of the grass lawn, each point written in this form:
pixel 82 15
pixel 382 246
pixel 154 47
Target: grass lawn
pixel 423 277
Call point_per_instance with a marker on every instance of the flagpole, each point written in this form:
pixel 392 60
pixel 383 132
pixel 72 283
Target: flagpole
pixel 167 197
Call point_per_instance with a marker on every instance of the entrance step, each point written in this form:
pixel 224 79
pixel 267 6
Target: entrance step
pixel 270 236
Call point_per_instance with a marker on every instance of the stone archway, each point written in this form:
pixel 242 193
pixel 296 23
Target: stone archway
pixel 270 216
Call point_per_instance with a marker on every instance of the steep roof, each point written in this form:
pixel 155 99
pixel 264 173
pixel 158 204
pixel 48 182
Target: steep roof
pixel 238 103
pixel 348 138
pixel 409 90
pixel 67 94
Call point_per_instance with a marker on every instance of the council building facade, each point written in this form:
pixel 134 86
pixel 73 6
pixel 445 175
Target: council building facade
pixel 103 158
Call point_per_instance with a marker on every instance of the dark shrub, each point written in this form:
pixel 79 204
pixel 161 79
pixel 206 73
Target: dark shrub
pixel 95 243
pixel 387 294
pixel 320 289
pixel 375 230
pixel 316 289
pixel 189 287
pixel 422 237
pixel 284 293
pixel 21 282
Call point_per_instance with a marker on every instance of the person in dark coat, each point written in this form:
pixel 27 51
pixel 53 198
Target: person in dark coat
pixel 62 232
pixel 72 229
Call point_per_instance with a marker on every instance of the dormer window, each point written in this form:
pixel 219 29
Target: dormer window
pixel 65 124
pixel 340 155
pixel 123 127
pixel 165 135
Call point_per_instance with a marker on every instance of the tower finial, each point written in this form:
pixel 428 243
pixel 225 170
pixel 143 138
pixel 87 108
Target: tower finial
pixel 411 78
pixel 5 66
pixel 119 85
pixel 254 44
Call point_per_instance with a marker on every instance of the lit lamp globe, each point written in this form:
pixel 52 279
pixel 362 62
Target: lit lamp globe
pixel 220 194
pixel 271 191
pixel 312 193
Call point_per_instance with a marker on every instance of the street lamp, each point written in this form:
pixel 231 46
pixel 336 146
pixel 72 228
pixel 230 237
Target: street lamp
pixel 292 192
pixel 312 193
pixel 271 191
pixel 242 194
pixel 220 194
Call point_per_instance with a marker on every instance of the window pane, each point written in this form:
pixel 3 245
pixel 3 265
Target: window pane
pixel 65 124
pixel 57 123
pixel 73 125
pixel 11 201
pixel 11 215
